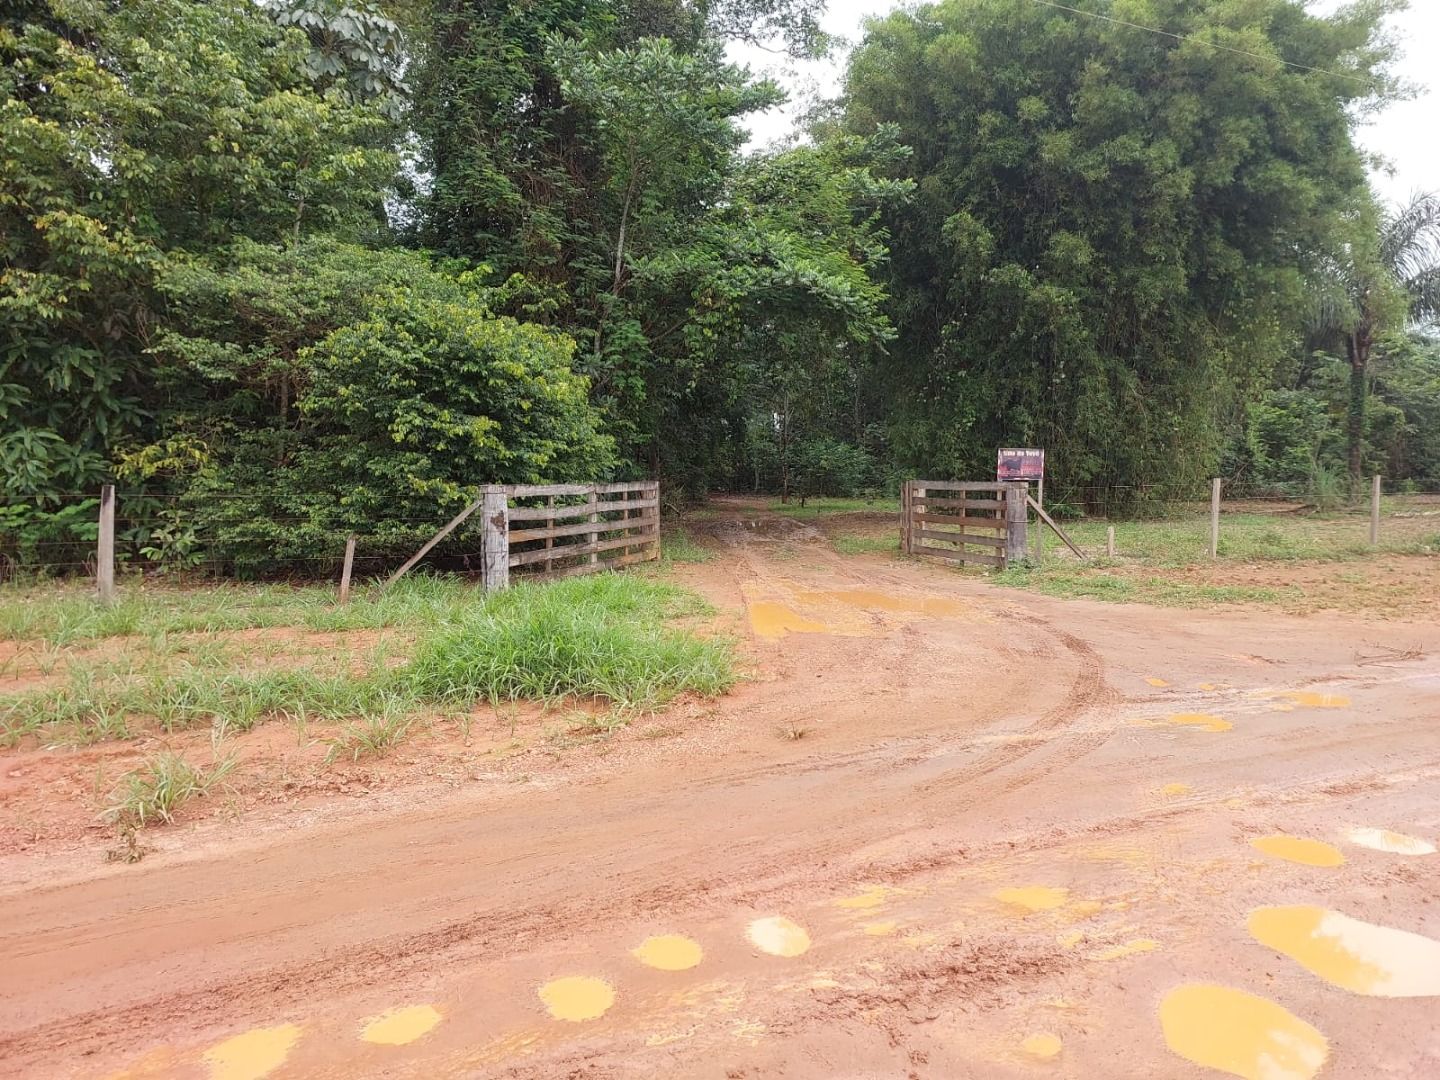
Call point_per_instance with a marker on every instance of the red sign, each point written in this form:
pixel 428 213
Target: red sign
pixel 1013 464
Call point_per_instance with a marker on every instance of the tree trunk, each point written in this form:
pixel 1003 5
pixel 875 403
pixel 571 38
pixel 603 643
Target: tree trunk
pixel 1357 345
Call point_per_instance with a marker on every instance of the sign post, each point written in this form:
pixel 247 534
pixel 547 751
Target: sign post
pixel 1014 463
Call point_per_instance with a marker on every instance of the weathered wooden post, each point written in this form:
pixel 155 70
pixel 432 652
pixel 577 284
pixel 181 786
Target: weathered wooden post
pixel 346 567
pixel 592 538
pixel 105 547
pixel 1039 532
pixel 1110 541
pixel 1215 518
pixel 1375 512
pixel 1017 501
pixel 905 516
pixel 495 536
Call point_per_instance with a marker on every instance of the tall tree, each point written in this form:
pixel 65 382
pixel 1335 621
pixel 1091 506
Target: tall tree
pixel 1386 278
pixel 1112 225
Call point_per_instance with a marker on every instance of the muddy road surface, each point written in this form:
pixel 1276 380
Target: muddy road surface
pixel 942 831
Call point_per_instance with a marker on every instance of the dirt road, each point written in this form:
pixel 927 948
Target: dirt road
pixel 944 831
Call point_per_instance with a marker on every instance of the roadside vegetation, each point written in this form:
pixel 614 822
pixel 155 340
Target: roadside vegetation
pixel 167 661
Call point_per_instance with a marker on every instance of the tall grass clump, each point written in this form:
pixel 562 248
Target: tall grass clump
pixel 163 784
pixel 602 636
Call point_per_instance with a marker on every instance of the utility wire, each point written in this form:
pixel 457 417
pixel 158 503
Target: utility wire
pixel 1202 41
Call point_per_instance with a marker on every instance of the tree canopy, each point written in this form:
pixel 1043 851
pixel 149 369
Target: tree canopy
pixel 298 267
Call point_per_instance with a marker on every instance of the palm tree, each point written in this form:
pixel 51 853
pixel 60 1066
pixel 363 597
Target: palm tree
pixel 1395 282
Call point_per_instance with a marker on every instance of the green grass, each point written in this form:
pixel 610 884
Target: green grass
pixel 678 546
pixel 820 507
pixel 1094 584
pixel 866 545
pixel 601 635
pixel 163 784
pixel 604 635
pixel 1252 538
pixel 64 614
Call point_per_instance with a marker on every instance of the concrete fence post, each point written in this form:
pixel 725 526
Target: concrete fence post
pixel 1375 512
pixel 105 546
pixel 1215 518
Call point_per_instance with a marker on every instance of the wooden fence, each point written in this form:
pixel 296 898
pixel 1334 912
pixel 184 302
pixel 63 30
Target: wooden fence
pixel 973 523
pixel 563 529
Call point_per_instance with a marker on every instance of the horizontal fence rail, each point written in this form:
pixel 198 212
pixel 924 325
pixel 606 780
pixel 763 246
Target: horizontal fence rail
pixel 581 528
pixel 972 523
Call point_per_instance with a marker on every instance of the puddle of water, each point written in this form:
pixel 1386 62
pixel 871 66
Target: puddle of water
pixel 669 952
pixel 1156 682
pixel 1043 1046
pixel 1171 790
pixel 881 929
pixel 1361 957
pixel 1032 898
pixel 778 936
pixel 397 1027
pixel 1204 721
pixel 1130 948
pixel 577 997
pixel 1297 849
pixel 252 1055
pixel 1238 1033
pixel 772 620
pixel 1392 842
pixel 872 600
pixel 1207 686
pixel 872 897
pixel 1310 700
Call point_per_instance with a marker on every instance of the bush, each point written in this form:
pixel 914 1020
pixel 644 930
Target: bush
pixel 825 466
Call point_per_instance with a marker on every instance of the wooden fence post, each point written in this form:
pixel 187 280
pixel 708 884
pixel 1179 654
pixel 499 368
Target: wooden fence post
pixel 1017 501
pixel 1375 512
pixel 105 547
pixel 905 517
pixel 1039 532
pixel 592 500
pixel 1110 541
pixel 346 568
pixel 495 536
pixel 1215 518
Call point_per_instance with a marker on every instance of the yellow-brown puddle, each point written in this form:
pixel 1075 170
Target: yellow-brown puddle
pixel 669 952
pixel 1130 948
pixel 1204 721
pixel 778 936
pixel 252 1055
pixel 1238 1033
pixel 1392 843
pixel 871 898
pixel 577 998
pixel 869 599
pixel 1032 898
pixel 1297 849
pixel 1156 682
pixel 1361 957
pixel 1043 1046
pixel 397 1027
pixel 1310 700
pixel 772 620
pixel 1171 790
pixel 881 929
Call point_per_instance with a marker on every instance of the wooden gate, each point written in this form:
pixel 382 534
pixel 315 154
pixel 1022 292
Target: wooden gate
pixel 980 524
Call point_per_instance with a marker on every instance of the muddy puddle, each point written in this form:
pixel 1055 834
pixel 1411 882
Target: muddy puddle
pixel 402 1026
pixel 1298 849
pixel 1362 957
pixel 1241 1034
pixel 669 952
pixel 252 1055
pixel 577 998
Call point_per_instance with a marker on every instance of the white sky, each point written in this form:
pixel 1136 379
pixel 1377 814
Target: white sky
pixel 1407 135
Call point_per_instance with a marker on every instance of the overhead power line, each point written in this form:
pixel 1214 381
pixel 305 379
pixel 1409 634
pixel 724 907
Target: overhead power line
pixel 1202 41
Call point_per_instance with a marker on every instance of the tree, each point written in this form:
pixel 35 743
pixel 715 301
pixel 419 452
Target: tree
pixel 132 135
pixel 1112 227
pixel 1387 278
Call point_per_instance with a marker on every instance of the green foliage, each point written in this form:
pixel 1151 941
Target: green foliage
pixel 1104 254
pixel 352 46
pixel 130 136
pixel 600 635
pixel 826 466
pixel 160 787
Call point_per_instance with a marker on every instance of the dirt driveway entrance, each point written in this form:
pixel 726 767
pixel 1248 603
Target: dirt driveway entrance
pixel 944 831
